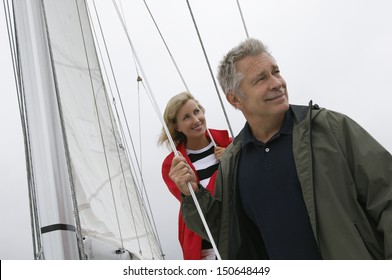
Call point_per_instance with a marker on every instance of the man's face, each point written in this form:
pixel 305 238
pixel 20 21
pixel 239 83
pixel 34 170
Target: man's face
pixel 263 86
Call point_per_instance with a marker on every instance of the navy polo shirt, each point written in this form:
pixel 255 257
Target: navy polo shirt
pixel 271 195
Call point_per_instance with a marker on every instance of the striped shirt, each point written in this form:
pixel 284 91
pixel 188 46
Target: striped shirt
pixel 205 163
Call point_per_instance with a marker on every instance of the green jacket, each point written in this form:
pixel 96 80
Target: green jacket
pixel 346 181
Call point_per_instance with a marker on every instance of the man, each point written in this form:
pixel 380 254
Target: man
pixel 298 182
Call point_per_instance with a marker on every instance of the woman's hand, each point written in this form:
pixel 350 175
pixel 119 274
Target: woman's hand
pixel 219 152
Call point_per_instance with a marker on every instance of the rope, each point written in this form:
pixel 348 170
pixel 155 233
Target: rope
pixel 212 139
pixel 242 18
pixel 209 68
pixel 154 103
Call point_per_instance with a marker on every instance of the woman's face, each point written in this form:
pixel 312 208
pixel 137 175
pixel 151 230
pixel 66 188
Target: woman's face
pixel 191 121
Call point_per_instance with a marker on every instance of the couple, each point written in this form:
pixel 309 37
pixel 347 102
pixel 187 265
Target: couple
pixel 298 182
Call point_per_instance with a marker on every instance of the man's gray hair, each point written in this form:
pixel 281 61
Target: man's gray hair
pixel 228 76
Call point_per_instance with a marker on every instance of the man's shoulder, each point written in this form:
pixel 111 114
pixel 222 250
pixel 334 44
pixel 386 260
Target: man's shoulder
pixel 314 112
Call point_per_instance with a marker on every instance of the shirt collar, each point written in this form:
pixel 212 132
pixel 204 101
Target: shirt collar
pixel 286 128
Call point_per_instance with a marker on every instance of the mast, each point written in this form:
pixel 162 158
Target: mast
pixel 50 189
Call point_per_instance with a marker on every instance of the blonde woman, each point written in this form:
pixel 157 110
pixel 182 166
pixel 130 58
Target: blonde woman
pixel 185 119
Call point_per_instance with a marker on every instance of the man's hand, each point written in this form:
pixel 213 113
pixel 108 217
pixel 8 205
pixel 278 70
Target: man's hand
pixel 181 173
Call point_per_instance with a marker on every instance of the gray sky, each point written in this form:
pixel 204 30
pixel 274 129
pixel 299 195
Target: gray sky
pixel 337 53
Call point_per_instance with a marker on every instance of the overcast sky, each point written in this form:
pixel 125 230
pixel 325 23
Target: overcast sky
pixel 337 53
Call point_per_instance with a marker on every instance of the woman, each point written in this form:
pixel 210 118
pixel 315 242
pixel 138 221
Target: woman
pixel 185 119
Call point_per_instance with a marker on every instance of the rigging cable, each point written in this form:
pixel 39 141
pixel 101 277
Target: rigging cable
pixel 117 90
pixel 116 85
pixel 143 187
pixel 155 105
pixel 242 18
pixel 167 47
pixel 117 146
pixel 173 60
pixel 114 136
pixel 138 102
pixel 113 129
pixel 128 129
pixel 101 133
pixel 209 67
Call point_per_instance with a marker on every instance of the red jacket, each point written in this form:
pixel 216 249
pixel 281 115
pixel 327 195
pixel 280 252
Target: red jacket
pixel 190 241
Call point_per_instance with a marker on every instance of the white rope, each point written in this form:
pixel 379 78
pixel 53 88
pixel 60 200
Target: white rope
pixel 154 103
pixel 212 139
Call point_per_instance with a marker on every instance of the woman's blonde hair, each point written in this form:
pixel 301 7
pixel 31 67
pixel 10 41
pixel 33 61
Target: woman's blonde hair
pixel 170 117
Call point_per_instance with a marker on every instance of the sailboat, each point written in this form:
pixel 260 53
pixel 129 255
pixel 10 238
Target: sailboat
pixel 54 162
pixel 86 197
pixel 84 200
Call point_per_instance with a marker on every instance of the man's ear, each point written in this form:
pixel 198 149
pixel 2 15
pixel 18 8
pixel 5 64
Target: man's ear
pixel 234 100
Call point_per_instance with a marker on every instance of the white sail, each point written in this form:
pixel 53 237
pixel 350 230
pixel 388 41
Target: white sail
pixel 82 184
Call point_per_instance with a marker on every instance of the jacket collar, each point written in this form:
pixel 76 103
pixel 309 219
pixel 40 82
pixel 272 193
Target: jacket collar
pixel 299 113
